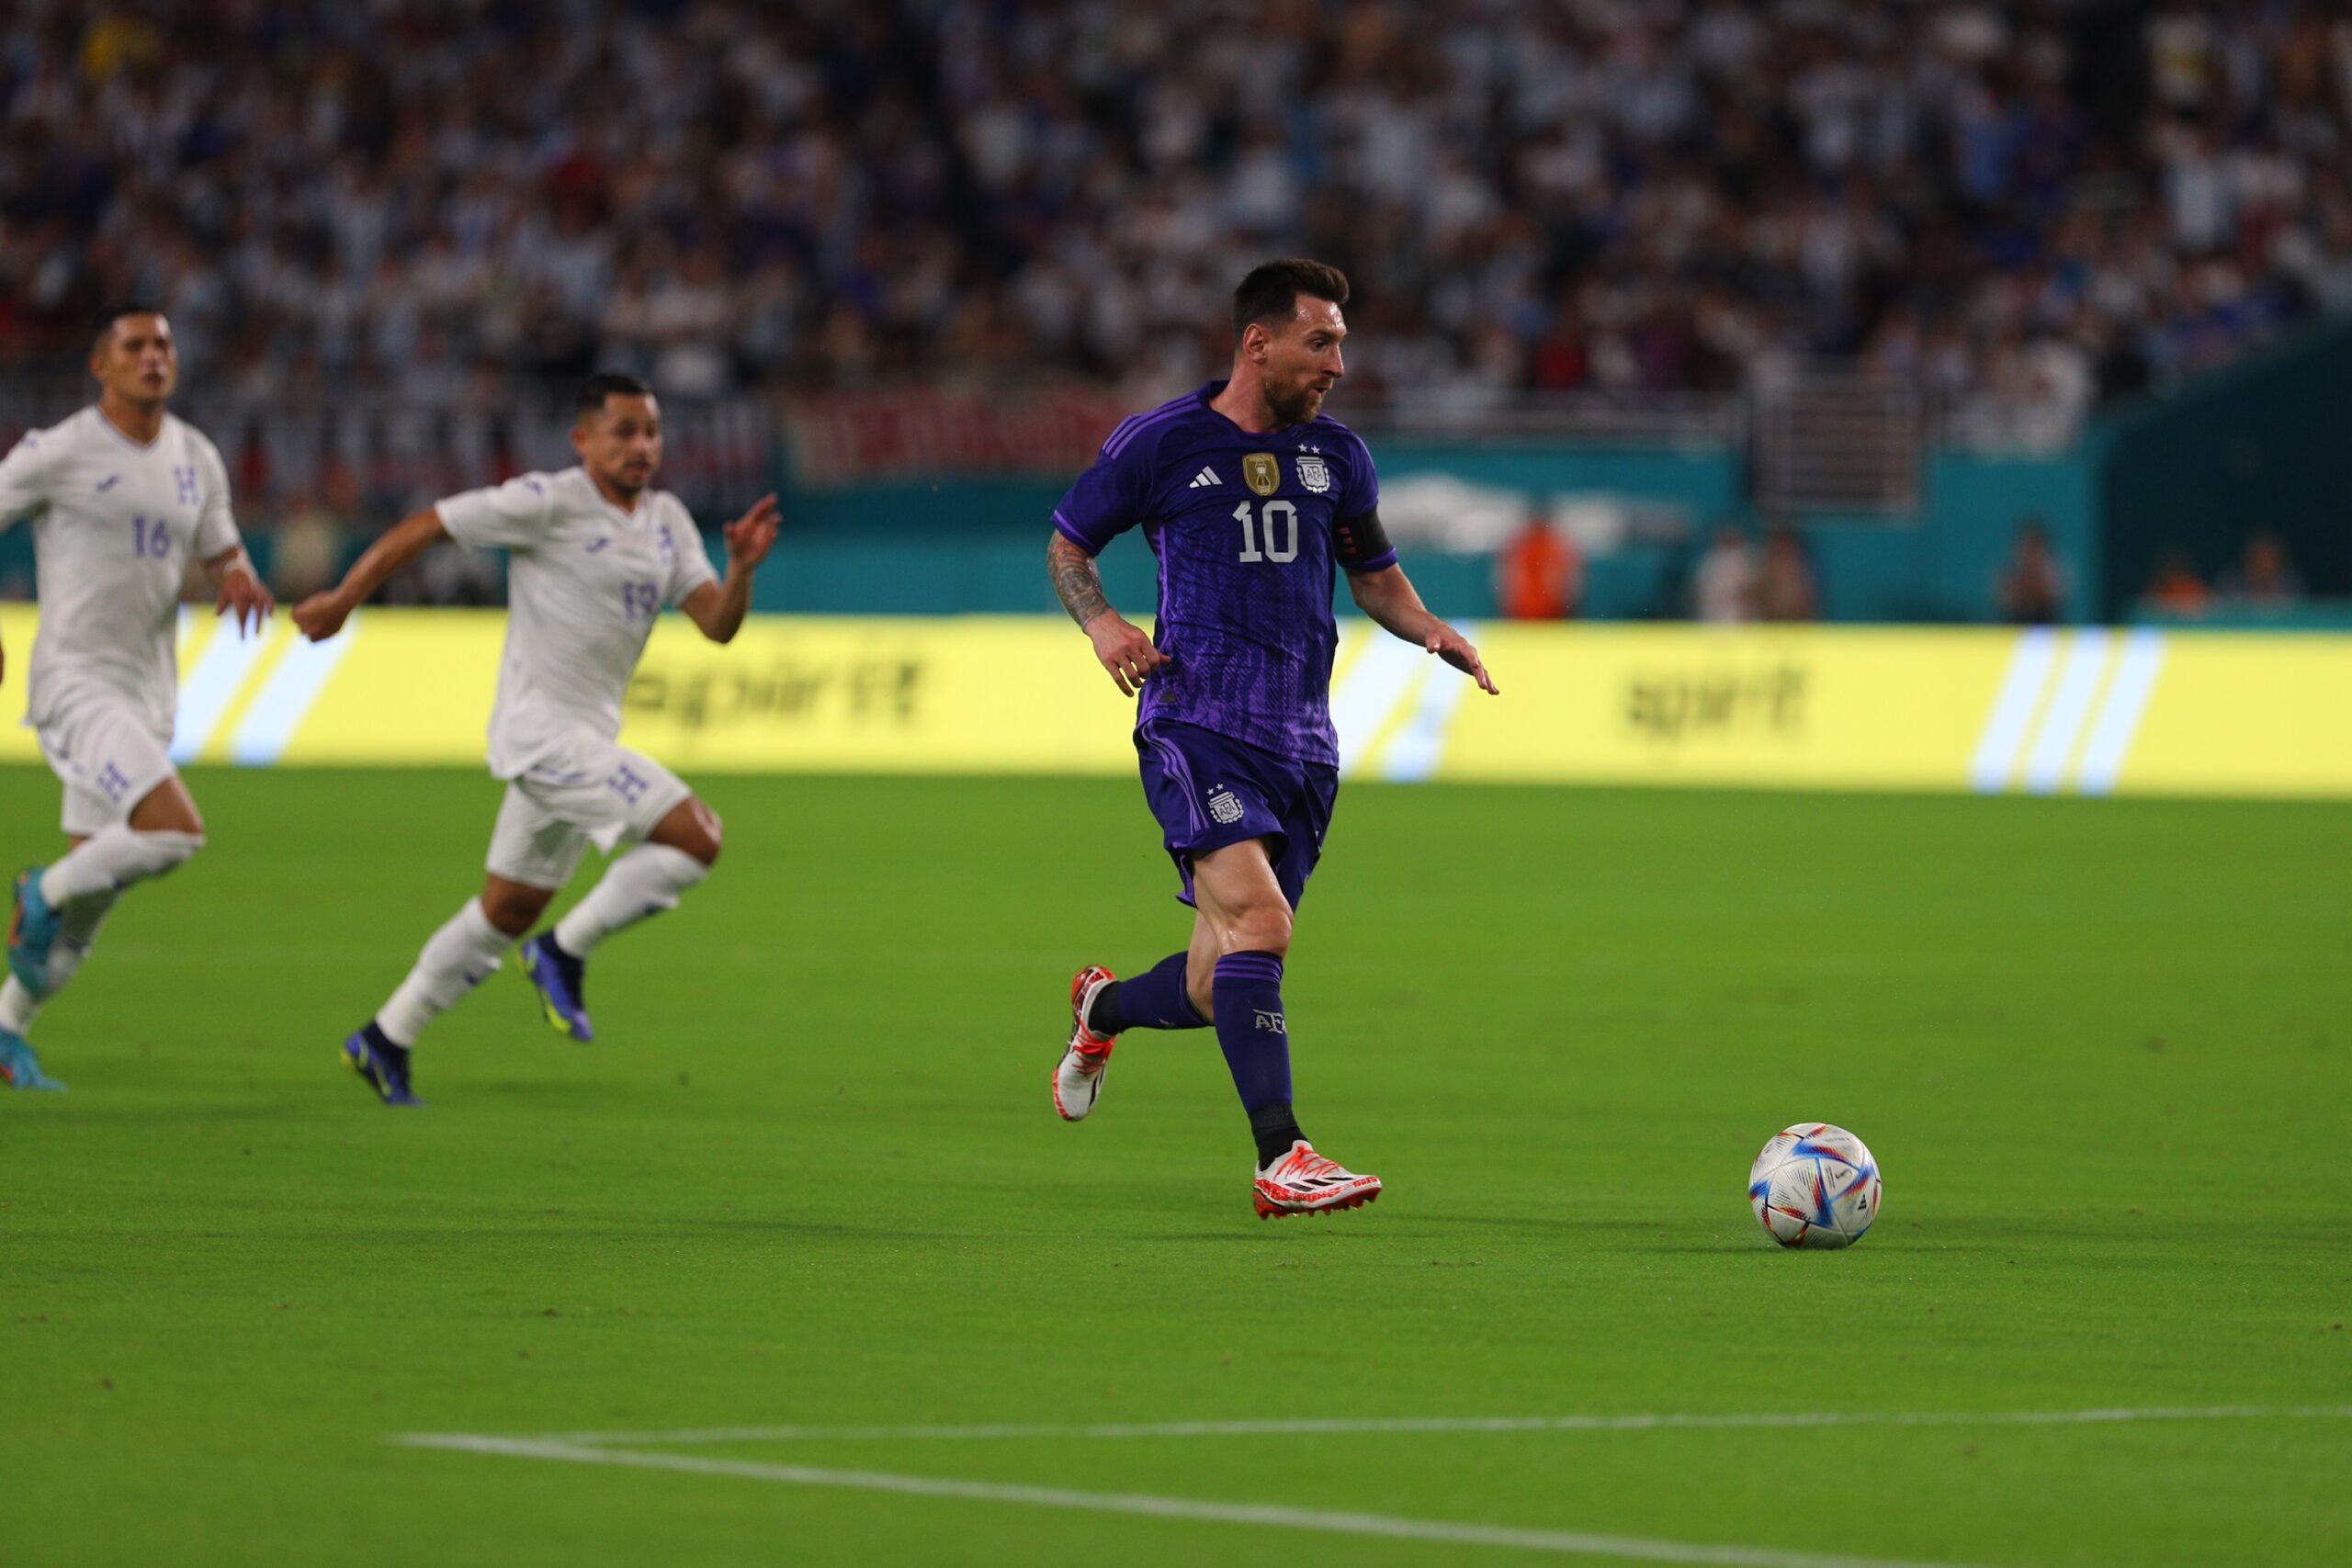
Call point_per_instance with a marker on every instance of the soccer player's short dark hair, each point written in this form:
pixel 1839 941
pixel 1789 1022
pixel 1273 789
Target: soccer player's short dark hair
pixel 102 321
pixel 608 384
pixel 1271 291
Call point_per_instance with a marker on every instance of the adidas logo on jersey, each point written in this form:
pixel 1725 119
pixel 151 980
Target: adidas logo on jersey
pixel 1204 479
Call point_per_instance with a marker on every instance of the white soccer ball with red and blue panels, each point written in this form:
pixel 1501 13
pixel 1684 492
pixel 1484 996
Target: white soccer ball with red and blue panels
pixel 1815 1186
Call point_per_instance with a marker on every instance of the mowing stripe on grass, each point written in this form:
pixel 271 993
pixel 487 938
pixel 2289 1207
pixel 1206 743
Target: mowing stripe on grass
pixel 1573 1543
pixel 1309 1427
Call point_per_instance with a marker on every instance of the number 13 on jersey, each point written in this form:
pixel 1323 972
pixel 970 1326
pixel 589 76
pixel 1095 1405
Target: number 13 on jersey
pixel 1279 515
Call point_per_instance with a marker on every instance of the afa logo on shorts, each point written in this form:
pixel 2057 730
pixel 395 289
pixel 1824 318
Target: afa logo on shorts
pixel 1223 807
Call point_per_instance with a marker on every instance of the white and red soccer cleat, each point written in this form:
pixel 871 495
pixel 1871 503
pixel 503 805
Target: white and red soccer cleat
pixel 1078 1080
pixel 1304 1182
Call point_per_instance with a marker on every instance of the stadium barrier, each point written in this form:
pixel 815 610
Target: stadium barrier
pixel 2144 710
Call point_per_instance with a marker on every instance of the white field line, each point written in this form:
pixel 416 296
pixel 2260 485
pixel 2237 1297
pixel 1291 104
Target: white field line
pixel 1342 1426
pixel 1573 1543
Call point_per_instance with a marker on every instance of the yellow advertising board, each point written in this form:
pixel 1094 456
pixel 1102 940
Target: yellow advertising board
pixel 2090 711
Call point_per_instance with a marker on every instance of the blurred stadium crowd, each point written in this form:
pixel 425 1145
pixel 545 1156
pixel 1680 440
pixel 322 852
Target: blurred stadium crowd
pixel 2028 207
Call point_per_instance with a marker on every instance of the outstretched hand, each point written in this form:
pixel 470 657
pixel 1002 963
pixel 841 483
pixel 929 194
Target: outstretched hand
pixel 1124 650
pixel 321 615
pixel 242 592
pixel 1455 649
pixel 752 536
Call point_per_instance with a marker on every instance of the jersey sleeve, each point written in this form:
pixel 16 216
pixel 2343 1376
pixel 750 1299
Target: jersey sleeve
pixel 1110 498
pixel 690 565
pixel 513 514
pixel 24 479
pixel 216 525
pixel 1359 542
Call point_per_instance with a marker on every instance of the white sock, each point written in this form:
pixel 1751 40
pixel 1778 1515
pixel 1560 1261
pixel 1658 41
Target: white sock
pixel 456 959
pixel 77 929
pixel 643 882
pixel 17 1006
pixel 112 859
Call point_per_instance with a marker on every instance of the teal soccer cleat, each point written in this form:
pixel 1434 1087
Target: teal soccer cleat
pixel 19 1068
pixel 32 928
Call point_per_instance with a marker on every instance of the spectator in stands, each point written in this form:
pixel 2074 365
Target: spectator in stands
pixel 2023 205
pixel 2263 579
pixel 1538 574
pixel 1786 589
pixel 2033 588
pixel 1725 587
pixel 2175 588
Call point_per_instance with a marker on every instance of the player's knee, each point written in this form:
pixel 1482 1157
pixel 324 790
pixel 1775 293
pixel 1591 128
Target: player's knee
pixel 692 829
pixel 513 909
pixel 1262 928
pixel 710 835
pixel 168 809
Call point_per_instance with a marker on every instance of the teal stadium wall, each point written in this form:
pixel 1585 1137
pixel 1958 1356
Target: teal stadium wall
pixel 2266 444
pixel 978 545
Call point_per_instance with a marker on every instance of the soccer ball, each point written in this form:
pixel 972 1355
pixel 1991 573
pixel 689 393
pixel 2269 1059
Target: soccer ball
pixel 1815 1185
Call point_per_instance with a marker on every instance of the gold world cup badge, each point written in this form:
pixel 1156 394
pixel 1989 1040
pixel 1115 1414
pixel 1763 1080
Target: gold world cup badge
pixel 1263 473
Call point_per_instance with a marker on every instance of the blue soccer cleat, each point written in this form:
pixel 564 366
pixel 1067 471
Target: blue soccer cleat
pixel 381 1064
pixel 19 1068
pixel 561 981
pixel 32 930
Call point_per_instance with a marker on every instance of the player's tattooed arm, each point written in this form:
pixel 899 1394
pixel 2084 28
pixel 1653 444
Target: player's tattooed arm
pixel 1076 579
pixel 322 615
pixel 1389 598
pixel 1119 644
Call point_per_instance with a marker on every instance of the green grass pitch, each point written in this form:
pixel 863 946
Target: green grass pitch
pixel 810 1176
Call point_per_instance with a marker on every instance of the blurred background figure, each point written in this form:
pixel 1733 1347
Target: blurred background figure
pixel 1726 586
pixel 2263 579
pixel 1538 574
pixel 306 549
pixel 1786 589
pixel 2176 588
pixel 2032 587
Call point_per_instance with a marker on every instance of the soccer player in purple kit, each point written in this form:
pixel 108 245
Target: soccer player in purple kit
pixel 1248 498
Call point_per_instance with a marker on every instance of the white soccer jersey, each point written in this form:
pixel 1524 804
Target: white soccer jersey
pixel 584 581
pixel 114 526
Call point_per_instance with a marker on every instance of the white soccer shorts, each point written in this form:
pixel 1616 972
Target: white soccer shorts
pixel 109 759
pixel 592 792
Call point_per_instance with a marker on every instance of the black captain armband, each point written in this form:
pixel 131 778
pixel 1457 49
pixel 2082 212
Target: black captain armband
pixel 1360 539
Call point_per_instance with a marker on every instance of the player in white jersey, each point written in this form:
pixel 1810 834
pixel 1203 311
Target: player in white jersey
pixel 594 554
pixel 121 496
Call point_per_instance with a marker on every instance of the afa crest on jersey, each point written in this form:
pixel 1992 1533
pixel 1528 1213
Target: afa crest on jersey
pixel 1313 472
pixel 1262 471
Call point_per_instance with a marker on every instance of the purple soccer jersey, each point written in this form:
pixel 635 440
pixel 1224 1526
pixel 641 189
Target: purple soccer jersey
pixel 1249 528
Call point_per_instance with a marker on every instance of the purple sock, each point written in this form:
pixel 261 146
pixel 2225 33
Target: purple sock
pixel 1153 1000
pixel 1251 1028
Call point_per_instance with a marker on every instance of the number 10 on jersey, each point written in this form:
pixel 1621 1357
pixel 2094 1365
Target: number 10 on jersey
pixel 1278 515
